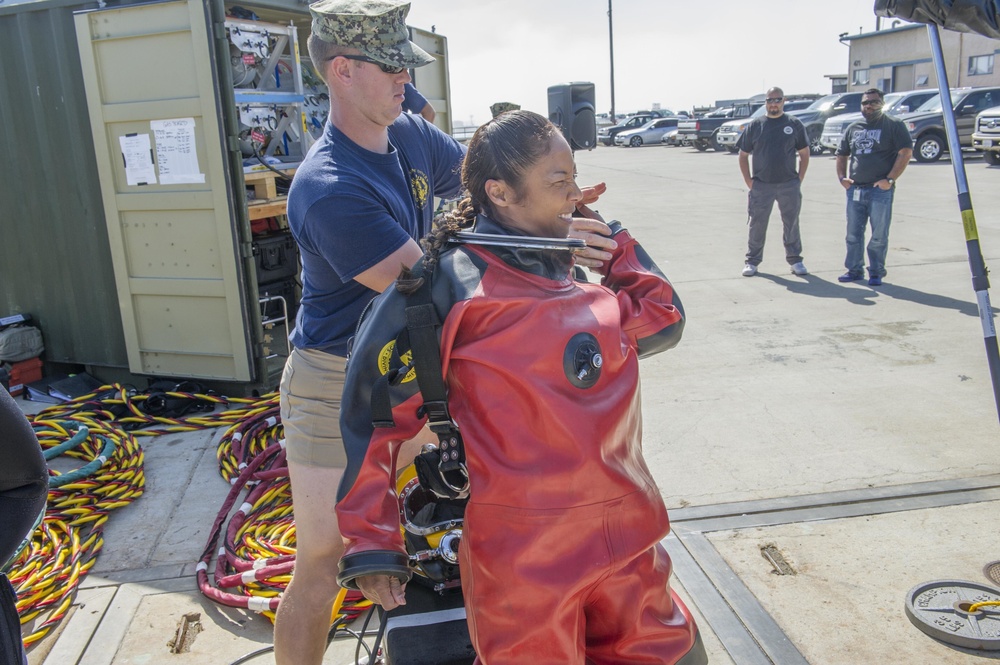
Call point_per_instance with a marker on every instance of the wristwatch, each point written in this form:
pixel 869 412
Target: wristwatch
pixel 891 181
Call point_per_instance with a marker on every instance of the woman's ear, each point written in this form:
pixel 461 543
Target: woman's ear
pixel 498 192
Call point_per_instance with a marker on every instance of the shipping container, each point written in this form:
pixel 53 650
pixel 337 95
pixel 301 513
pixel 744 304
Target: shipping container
pixel 137 136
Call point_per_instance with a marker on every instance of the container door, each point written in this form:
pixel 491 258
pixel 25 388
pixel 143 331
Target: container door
pixel 432 80
pixel 149 74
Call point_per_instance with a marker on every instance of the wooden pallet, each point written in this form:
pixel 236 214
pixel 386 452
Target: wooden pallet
pixel 266 202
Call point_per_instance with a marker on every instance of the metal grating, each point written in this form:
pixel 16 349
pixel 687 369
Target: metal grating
pixel 992 572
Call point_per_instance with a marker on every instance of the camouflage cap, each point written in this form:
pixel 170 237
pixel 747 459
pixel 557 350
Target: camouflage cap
pixel 377 28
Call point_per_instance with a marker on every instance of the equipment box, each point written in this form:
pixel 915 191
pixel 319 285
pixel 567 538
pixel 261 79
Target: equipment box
pixel 21 374
pixel 275 257
pixel 429 630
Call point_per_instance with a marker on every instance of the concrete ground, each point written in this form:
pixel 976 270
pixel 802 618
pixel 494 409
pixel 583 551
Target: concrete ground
pixel 850 432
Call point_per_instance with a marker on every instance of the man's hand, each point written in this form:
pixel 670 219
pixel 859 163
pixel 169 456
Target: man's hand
pixel 592 193
pixel 887 185
pixel 846 183
pixel 383 590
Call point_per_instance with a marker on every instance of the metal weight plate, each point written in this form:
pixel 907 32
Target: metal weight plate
pixel 940 609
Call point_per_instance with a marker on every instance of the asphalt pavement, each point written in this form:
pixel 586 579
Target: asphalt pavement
pixel 823 448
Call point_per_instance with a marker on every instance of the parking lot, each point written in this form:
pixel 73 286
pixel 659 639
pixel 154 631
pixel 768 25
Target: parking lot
pixel 852 430
pixel 790 398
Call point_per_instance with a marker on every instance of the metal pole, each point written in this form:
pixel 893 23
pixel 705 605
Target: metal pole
pixel 980 279
pixel 611 44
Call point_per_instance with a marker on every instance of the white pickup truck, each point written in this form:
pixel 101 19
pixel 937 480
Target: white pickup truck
pixel 986 136
pixel 703 132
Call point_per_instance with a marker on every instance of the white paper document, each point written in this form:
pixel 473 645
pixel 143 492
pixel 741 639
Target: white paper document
pixel 176 153
pixel 138 158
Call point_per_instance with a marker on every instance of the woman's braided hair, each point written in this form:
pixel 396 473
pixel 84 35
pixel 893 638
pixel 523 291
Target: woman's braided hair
pixel 502 149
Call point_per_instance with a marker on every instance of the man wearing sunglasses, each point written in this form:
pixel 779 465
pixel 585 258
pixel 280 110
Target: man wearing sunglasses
pixel 359 202
pixel 879 147
pixel 774 139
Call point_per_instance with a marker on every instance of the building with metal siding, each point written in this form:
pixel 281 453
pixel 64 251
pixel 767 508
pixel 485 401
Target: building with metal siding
pixel 899 58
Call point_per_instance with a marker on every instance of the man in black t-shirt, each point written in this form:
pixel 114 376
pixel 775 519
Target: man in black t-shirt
pixel 879 147
pixel 774 139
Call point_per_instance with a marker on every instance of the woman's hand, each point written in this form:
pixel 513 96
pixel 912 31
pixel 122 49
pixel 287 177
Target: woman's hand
pixel 589 226
pixel 595 233
pixel 592 193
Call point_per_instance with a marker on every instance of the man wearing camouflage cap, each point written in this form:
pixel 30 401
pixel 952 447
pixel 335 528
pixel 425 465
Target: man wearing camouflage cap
pixel 360 200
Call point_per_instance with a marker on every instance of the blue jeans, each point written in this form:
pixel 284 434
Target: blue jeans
pixel 864 205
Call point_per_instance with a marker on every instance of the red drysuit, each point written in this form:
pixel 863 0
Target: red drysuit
pixel 560 560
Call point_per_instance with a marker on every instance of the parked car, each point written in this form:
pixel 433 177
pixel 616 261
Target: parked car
pixel 926 124
pixel 657 113
pixel 606 135
pixel 730 132
pixel 986 136
pixel 896 104
pixel 651 132
pixel 817 113
pixel 702 132
pixel 674 138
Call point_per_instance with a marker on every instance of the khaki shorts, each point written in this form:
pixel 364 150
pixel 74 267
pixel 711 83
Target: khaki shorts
pixel 311 387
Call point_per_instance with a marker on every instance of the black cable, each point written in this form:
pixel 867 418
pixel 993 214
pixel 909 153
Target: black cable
pixel 283 176
pixel 250 656
pixel 381 631
pixel 364 629
pixel 335 630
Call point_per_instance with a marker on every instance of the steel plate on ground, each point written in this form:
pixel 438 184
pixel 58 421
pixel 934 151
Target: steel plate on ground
pixel 940 609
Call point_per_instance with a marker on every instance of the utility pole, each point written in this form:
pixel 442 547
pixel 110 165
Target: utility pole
pixel 611 44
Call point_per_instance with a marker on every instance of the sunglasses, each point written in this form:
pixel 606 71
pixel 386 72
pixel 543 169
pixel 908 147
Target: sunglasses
pixel 388 69
pixel 774 100
pixel 871 102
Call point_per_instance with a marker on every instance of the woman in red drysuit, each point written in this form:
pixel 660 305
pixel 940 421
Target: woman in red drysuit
pixel 560 557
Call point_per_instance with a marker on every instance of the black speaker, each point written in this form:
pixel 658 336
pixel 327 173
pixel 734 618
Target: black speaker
pixel 571 109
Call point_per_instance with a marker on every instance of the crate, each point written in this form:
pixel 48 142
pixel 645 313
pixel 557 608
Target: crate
pixel 21 374
pixel 276 258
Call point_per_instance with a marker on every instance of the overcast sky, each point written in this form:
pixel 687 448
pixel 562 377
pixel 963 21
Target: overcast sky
pixel 679 53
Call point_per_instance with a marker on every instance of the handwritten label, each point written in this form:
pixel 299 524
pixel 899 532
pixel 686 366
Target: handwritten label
pixel 176 152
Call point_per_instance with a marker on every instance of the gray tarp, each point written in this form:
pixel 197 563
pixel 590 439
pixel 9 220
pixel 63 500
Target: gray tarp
pixel 979 16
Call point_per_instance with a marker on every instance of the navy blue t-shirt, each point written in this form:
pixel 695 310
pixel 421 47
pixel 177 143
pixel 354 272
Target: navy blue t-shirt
pixel 349 208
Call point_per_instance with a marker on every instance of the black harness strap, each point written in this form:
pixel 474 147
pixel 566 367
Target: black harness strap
pixel 422 322
pixel 421 339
